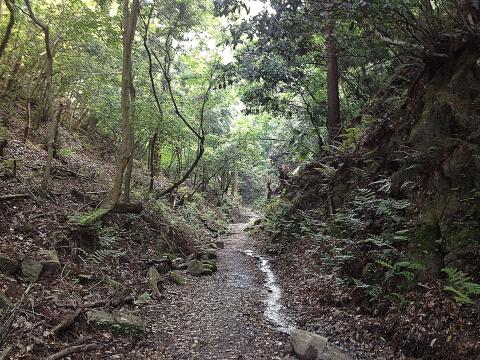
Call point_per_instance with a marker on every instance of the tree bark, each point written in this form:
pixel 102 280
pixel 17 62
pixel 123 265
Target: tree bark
pixel 128 174
pixel 234 189
pixel 151 162
pixel 8 31
pixel 49 97
pixel 130 17
pixel 28 119
pixel 333 98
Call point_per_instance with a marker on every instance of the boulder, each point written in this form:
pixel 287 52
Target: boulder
pixel 5 303
pixel 31 270
pixel 122 323
pixel 210 265
pixel 155 282
pixel 196 267
pixel 209 254
pixel 101 319
pixel 51 263
pixel 220 244
pixel 8 266
pixel 176 278
pixel 306 345
pixel 129 324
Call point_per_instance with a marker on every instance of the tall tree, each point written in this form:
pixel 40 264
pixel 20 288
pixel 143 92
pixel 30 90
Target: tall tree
pixel 11 22
pixel 49 48
pixel 130 17
pixel 333 113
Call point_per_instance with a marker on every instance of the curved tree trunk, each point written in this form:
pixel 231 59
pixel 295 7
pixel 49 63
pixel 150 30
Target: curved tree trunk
pixel 185 176
pixel 8 31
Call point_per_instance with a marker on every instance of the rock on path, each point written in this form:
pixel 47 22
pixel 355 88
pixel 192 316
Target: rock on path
pixel 219 316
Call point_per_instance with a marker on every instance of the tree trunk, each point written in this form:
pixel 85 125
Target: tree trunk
pixel 333 112
pixel 234 189
pixel 28 119
pixel 11 22
pixel 151 161
pixel 127 180
pixel 49 97
pixel 128 174
pixel 130 17
pixel 188 172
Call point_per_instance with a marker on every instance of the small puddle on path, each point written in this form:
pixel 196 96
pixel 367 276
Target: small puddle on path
pixel 274 310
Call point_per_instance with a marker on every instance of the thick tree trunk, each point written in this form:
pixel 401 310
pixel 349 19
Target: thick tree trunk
pixel 333 113
pixel 127 180
pixel 11 22
pixel 130 17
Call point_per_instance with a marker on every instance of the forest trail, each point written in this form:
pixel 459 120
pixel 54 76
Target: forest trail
pixel 220 316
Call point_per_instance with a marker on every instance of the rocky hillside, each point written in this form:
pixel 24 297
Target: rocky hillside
pixel 389 220
pixel 64 279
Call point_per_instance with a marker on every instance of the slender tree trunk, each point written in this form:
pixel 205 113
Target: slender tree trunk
pixel 58 119
pixel 49 97
pixel 11 22
pixel 234 189
pixel 188 172
pixel 227 186
pixel 131 144
pixel 130 17
pixel 28 118
pixel 151 162
pixel 333 112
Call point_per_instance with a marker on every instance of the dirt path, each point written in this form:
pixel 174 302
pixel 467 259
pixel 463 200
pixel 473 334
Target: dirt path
pixel 220 316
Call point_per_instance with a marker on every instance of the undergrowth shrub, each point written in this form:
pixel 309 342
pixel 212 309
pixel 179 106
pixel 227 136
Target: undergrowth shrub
pixel 89 218
pixel 108 248
pixel 461 286
pixel 363 242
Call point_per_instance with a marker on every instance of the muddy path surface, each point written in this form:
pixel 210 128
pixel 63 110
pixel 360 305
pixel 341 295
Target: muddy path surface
pixel 222 316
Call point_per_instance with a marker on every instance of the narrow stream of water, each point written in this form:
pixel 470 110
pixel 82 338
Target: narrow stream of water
pixel 274 310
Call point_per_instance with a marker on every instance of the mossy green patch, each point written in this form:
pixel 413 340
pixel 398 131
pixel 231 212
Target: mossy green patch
pixel 176 278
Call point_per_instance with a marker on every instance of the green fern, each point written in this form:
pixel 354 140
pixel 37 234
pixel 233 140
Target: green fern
pixel 401 268
pixel 100 256
pixel 373 291
pixel 107 241
pixel 461 285
pixel 107 238
pixel 88 218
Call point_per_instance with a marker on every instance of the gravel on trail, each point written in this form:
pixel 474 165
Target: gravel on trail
pixel 219 316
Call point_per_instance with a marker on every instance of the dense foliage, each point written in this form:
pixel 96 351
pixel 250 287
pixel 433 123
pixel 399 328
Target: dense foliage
pixel 353 125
